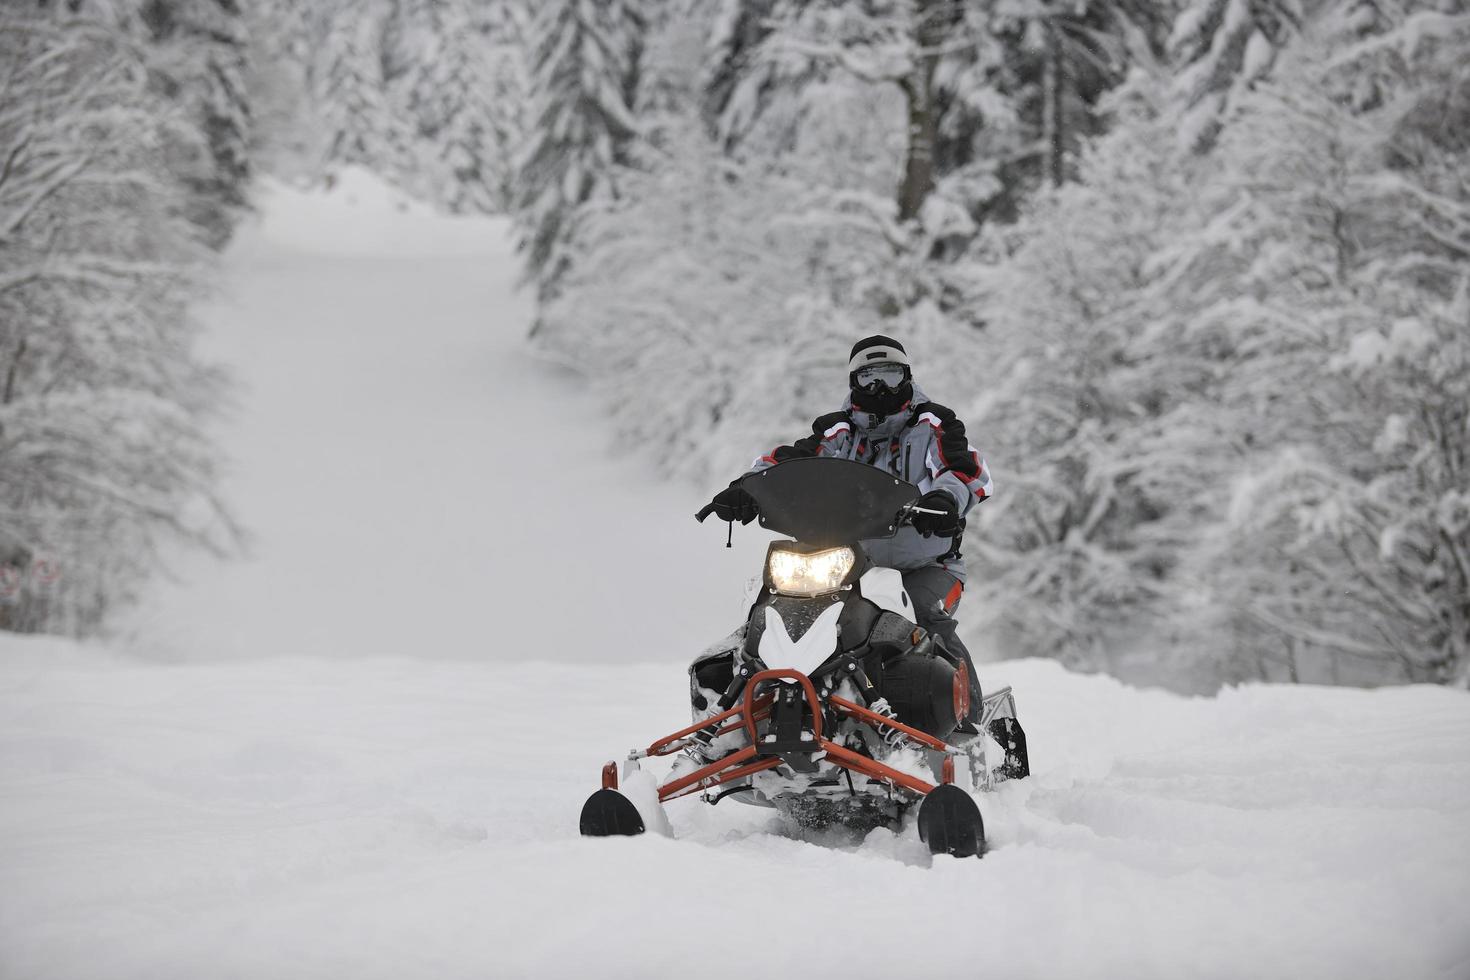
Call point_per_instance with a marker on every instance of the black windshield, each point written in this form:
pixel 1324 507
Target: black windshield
pixel 828 502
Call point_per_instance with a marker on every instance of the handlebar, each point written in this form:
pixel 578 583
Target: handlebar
pixel 904 513
pixel 908 510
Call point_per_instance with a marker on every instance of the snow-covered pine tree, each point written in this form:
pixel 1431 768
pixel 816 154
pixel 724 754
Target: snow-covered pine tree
pixel 354 121
pixel 430 94
pixel 585 77
pixel 1259 389
pixel 200 60
pixel 800 227
pixel 820 97
pixel 1220 48
pixel 446 97
pixel 101 453
pixel 997 98
pixel 1083 396
pixel 1060 59
pixel 662 296
pixel 777 56
pixel 1345 214
pixel 279 85
pixel 502 28
pixel 733 76
pixel 947 138
pixel 717 282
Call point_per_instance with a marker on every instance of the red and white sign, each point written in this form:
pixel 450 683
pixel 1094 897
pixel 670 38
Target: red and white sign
pixel 10 579
pixel 45 572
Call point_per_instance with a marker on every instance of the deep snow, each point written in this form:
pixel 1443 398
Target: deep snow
pixel 395 818
pixel 362 754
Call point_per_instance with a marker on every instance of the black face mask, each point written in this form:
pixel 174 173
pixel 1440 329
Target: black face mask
pixel 881 400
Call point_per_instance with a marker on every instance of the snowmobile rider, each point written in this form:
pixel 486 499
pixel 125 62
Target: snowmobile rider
pixel 887 421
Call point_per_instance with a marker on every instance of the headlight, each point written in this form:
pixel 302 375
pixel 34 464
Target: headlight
pixel 797 574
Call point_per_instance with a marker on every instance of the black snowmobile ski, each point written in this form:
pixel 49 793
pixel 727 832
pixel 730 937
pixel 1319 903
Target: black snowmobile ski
pixel 608 813
pixel 949 822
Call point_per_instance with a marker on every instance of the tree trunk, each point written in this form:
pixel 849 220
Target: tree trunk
pixel 931 22
pixel 1053 123
pixel 918 169
pixel 9 392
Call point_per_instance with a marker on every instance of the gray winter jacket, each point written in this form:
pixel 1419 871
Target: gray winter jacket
pixel 924 444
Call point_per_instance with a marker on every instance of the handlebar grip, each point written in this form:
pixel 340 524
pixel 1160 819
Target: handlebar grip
pixel 704 512
pixel 907 511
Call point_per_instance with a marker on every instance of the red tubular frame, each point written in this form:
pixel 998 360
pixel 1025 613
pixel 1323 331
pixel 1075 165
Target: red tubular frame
pixel 762 707
pixel 747 761
pixel 780 674
pixel 669 744
pixel 857 711
pixel 873 769
pixel 717 774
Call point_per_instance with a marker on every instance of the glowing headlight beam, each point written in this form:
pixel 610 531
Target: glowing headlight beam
pixel 794 573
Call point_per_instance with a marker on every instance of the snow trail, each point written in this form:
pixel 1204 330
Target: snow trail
pixel 363 753
pixel 417 483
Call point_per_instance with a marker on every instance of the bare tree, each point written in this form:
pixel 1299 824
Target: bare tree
pixel 102 456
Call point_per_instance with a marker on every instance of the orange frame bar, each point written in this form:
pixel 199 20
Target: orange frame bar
pixel 716 773
pixel 872 768
pixel 770 762
pixel 873 718
pixel 778 674
pixel 739 764
pixel 667 746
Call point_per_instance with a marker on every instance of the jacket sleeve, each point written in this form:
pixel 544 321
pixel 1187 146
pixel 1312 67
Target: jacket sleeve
pixel 829 437
pixel 953 464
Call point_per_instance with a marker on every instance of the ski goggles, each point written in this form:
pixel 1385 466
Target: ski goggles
pixel 890 376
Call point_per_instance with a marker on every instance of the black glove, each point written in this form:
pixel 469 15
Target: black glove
pixel 734 504
pixel 945 525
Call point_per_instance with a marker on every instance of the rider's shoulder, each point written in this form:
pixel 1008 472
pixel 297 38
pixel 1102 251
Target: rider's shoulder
pixel 832 424
pixel 936 415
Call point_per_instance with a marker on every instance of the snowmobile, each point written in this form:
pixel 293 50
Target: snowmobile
pixel 830 703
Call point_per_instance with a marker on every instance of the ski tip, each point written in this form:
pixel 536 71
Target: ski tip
pixel 949 822
pixel 608 813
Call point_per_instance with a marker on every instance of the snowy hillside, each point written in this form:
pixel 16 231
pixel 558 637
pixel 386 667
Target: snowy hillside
pixel 362 754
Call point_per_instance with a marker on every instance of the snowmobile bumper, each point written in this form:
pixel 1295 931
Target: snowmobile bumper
pixel 951 824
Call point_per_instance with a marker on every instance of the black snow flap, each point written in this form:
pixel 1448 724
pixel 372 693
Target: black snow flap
pixel 608 813
pixel 949 822
pixel 1008 732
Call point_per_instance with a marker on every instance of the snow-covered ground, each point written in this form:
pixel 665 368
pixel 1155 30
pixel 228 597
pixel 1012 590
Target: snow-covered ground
pixel 402 818
pixel 362 753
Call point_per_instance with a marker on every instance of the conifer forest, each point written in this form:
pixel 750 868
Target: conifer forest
pixel 1196 273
